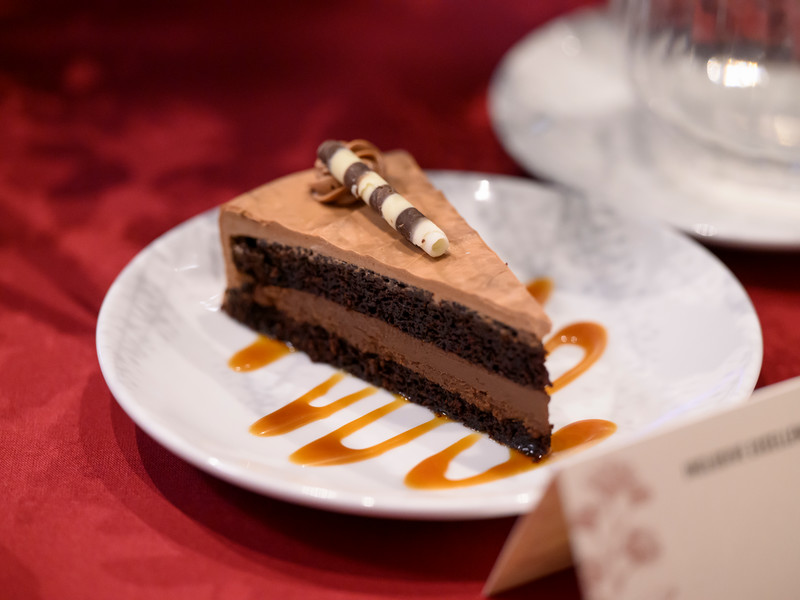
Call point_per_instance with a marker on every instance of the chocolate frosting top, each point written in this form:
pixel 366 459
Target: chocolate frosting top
pixel 473 275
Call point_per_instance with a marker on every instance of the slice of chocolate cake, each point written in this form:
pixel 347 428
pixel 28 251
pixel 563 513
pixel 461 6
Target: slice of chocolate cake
pixel 457 333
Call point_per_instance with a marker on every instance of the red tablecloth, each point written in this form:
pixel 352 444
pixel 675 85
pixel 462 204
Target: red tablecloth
pixel 120 120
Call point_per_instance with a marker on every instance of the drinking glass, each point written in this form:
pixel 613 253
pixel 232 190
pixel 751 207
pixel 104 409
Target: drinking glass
pixel 726 73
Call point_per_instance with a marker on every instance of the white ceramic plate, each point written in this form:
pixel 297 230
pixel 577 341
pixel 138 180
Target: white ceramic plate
pixel 683 338
pixel 562 105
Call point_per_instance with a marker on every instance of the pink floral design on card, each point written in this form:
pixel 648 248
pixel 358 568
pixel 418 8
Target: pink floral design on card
pixel 607 522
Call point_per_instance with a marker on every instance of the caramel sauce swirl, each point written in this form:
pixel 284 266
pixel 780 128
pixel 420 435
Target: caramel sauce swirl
pixel 590 336
pixel 330 449
pixel 328 190
pixel 431 472
pixel 300 412
pixel 540 288
pixel 259 354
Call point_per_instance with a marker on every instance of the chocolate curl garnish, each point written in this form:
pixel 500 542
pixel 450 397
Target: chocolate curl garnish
pixel 362 181
pixel 329 191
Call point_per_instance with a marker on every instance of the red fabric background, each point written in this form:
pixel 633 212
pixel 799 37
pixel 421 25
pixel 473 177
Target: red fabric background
pixel 120 120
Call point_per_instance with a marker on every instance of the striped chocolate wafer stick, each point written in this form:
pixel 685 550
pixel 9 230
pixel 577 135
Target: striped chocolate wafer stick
pixel 364 183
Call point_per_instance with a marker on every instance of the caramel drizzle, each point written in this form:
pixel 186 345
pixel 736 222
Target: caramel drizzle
pixel 330 449
pixel 540 288
pixel 300 412
pixel 328 190
pixel 430 473
pixel 587 335
pixel 258 354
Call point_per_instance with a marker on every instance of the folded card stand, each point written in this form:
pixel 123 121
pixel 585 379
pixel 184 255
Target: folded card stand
pixel 709 508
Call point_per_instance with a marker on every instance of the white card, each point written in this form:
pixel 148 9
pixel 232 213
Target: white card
pixel 710 509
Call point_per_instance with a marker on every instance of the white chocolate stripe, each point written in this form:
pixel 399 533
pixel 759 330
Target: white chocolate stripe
pixel 367 184
pixel 392 207
pixel 423 232
pixel 341 159
pixel 424 228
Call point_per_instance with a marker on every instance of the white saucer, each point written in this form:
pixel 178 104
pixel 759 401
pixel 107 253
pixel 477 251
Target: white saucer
pixel 563 107
pixel 683 338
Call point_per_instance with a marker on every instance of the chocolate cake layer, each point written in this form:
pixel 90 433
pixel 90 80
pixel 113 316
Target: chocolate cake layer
pixel 448 325
pixel 324 346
